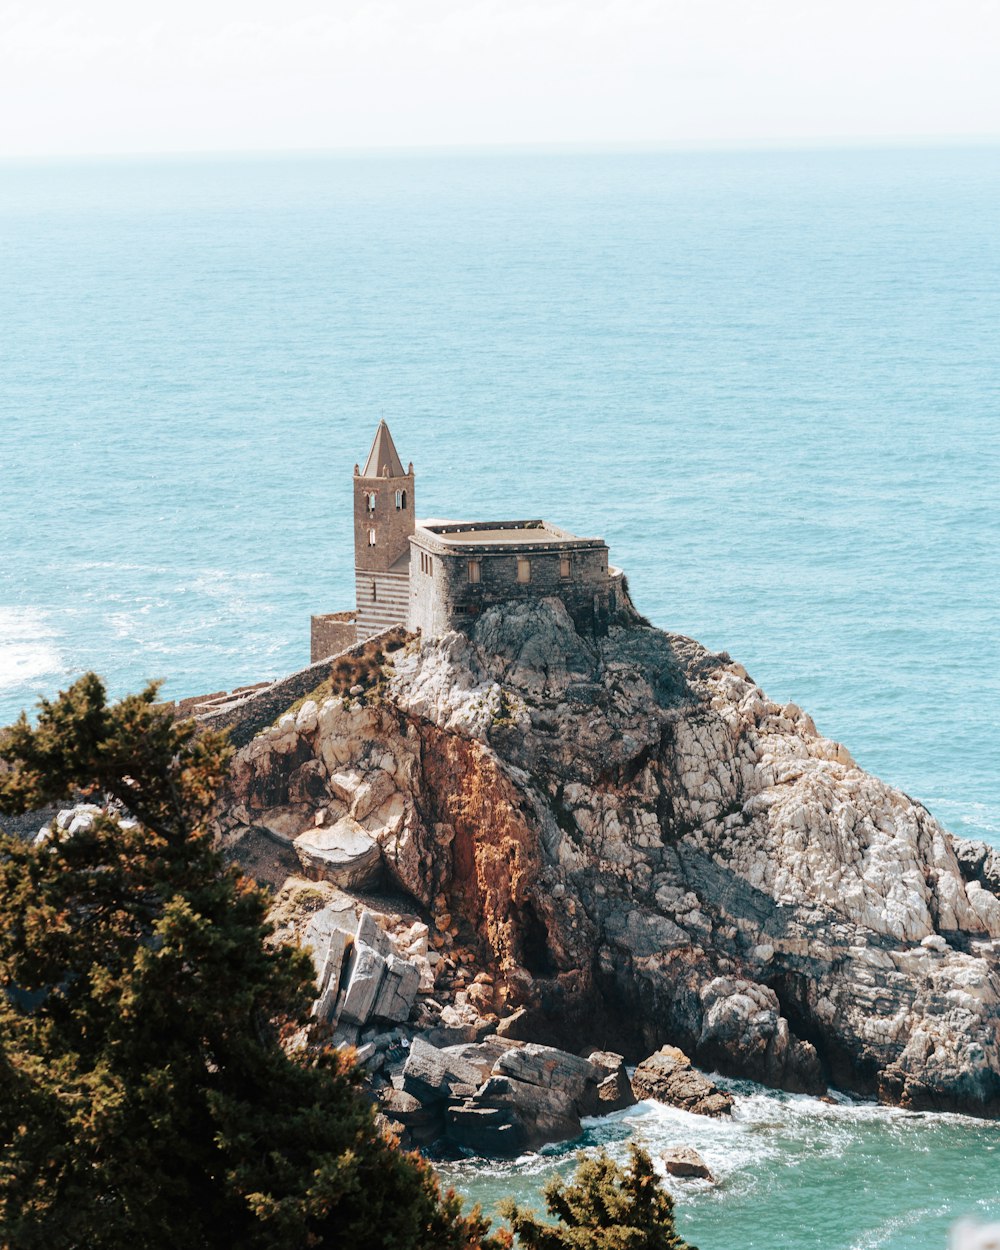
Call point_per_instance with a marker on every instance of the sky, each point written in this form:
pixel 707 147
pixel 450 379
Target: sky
pixel 118 77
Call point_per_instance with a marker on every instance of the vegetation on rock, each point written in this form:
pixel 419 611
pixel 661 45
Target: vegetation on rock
pixel 157 1082
pixel 604 1207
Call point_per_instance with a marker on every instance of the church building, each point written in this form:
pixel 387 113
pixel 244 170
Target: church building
pixel 434 576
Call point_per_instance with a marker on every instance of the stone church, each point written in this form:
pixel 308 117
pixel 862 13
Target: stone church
pixel 434 576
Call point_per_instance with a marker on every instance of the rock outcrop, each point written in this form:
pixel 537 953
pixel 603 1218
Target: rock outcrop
pixel 627 839
pixel 669 1077
pixel 687 1162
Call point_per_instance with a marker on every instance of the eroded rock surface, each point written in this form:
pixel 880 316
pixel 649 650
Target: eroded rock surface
pixel 669 1077
pixel 638 847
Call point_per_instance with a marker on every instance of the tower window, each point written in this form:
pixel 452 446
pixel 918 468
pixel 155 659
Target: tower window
pixel 475 570
pixel 371 538
pixel 400 500
pixel 374 592
pixel 524 571
pixel 370 500
pixel 564 566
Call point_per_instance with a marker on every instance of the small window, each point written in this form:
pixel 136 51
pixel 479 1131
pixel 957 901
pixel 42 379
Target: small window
pixel 475 571
pixel 564 566
pixel 370 500
pixel 400 500
pixel 371 538
pixel 524 571
pixel 374 592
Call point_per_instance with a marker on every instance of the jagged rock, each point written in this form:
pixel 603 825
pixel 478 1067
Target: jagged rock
pixel 367 971
pixel 685 1161
pixel 669 1077
pixel 371 933
pixel 491 1131
pixel 517 1025
pixel 345 854
pixel 429 1074
pixel 398 990
pixel 329 980
pixel 614 1089
pixel 640 844
pixel 569 1075
pixel 979 862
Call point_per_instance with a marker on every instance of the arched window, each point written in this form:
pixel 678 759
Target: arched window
pixel 370 500
pixel 400 500
pixel 371 538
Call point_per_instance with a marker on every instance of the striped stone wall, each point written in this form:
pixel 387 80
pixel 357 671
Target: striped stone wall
pixel 383 600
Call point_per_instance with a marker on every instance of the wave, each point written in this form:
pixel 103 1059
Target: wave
pixel 27 647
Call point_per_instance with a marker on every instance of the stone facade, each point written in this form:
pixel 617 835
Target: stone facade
pixel 331 634
pixel 383 523
pixel 440 575
pixel 459 569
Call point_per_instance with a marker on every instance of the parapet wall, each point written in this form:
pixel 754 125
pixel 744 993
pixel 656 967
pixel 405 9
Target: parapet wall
pixel 331 633
pixel 245 715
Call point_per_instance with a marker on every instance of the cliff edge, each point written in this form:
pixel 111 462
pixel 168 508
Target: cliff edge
pixel 627 839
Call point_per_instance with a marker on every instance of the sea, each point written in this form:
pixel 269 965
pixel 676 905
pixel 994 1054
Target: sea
pixel 769 379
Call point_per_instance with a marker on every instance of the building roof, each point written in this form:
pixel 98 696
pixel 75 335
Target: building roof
pixel 468 537
pixel 383 460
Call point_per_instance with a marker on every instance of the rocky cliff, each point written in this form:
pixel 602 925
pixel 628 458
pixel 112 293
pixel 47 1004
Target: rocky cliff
pixel 625 838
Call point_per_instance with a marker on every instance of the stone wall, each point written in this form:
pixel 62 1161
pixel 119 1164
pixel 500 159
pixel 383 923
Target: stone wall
pixel 331 633
pixel 393 526
pixel 383 601
pixel 444 598
pixel 246 716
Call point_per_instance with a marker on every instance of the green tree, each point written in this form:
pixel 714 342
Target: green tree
pixel 158 1084
pixel 604 1207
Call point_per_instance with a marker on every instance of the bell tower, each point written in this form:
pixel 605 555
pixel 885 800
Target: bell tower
pixel 383 522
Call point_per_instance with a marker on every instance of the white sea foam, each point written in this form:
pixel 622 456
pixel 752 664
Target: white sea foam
pixel 27 647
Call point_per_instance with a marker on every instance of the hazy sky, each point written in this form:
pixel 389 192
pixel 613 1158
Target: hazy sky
pixel 91 76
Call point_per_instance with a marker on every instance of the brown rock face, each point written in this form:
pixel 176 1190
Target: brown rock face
pixel 640 847
pixel 668 1077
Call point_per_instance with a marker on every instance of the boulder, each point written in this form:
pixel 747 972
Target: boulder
pixel 684 1161
pixel 490 1131
pixel 345 854
pixel 516 1025
pixel 545 1066
pixel 614 1089
pixel 371 933
pixel 429 1074
pixel 423 1123
pixel 669 1077
pixel 329 979
pixel 398 990
pixel 368 969
pixel 535 1095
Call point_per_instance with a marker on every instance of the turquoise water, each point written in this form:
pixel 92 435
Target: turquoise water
pixel 791 1173
pixel 770 380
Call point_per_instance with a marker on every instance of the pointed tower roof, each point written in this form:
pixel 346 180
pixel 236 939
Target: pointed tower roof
pixel 383 460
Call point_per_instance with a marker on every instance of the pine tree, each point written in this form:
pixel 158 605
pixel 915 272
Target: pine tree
pixel 152 1092
pixel 605 1207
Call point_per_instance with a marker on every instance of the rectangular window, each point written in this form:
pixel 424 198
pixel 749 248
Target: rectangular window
pixel 475 571
pixel 371 538
pixel 524 571
pixel 564 566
